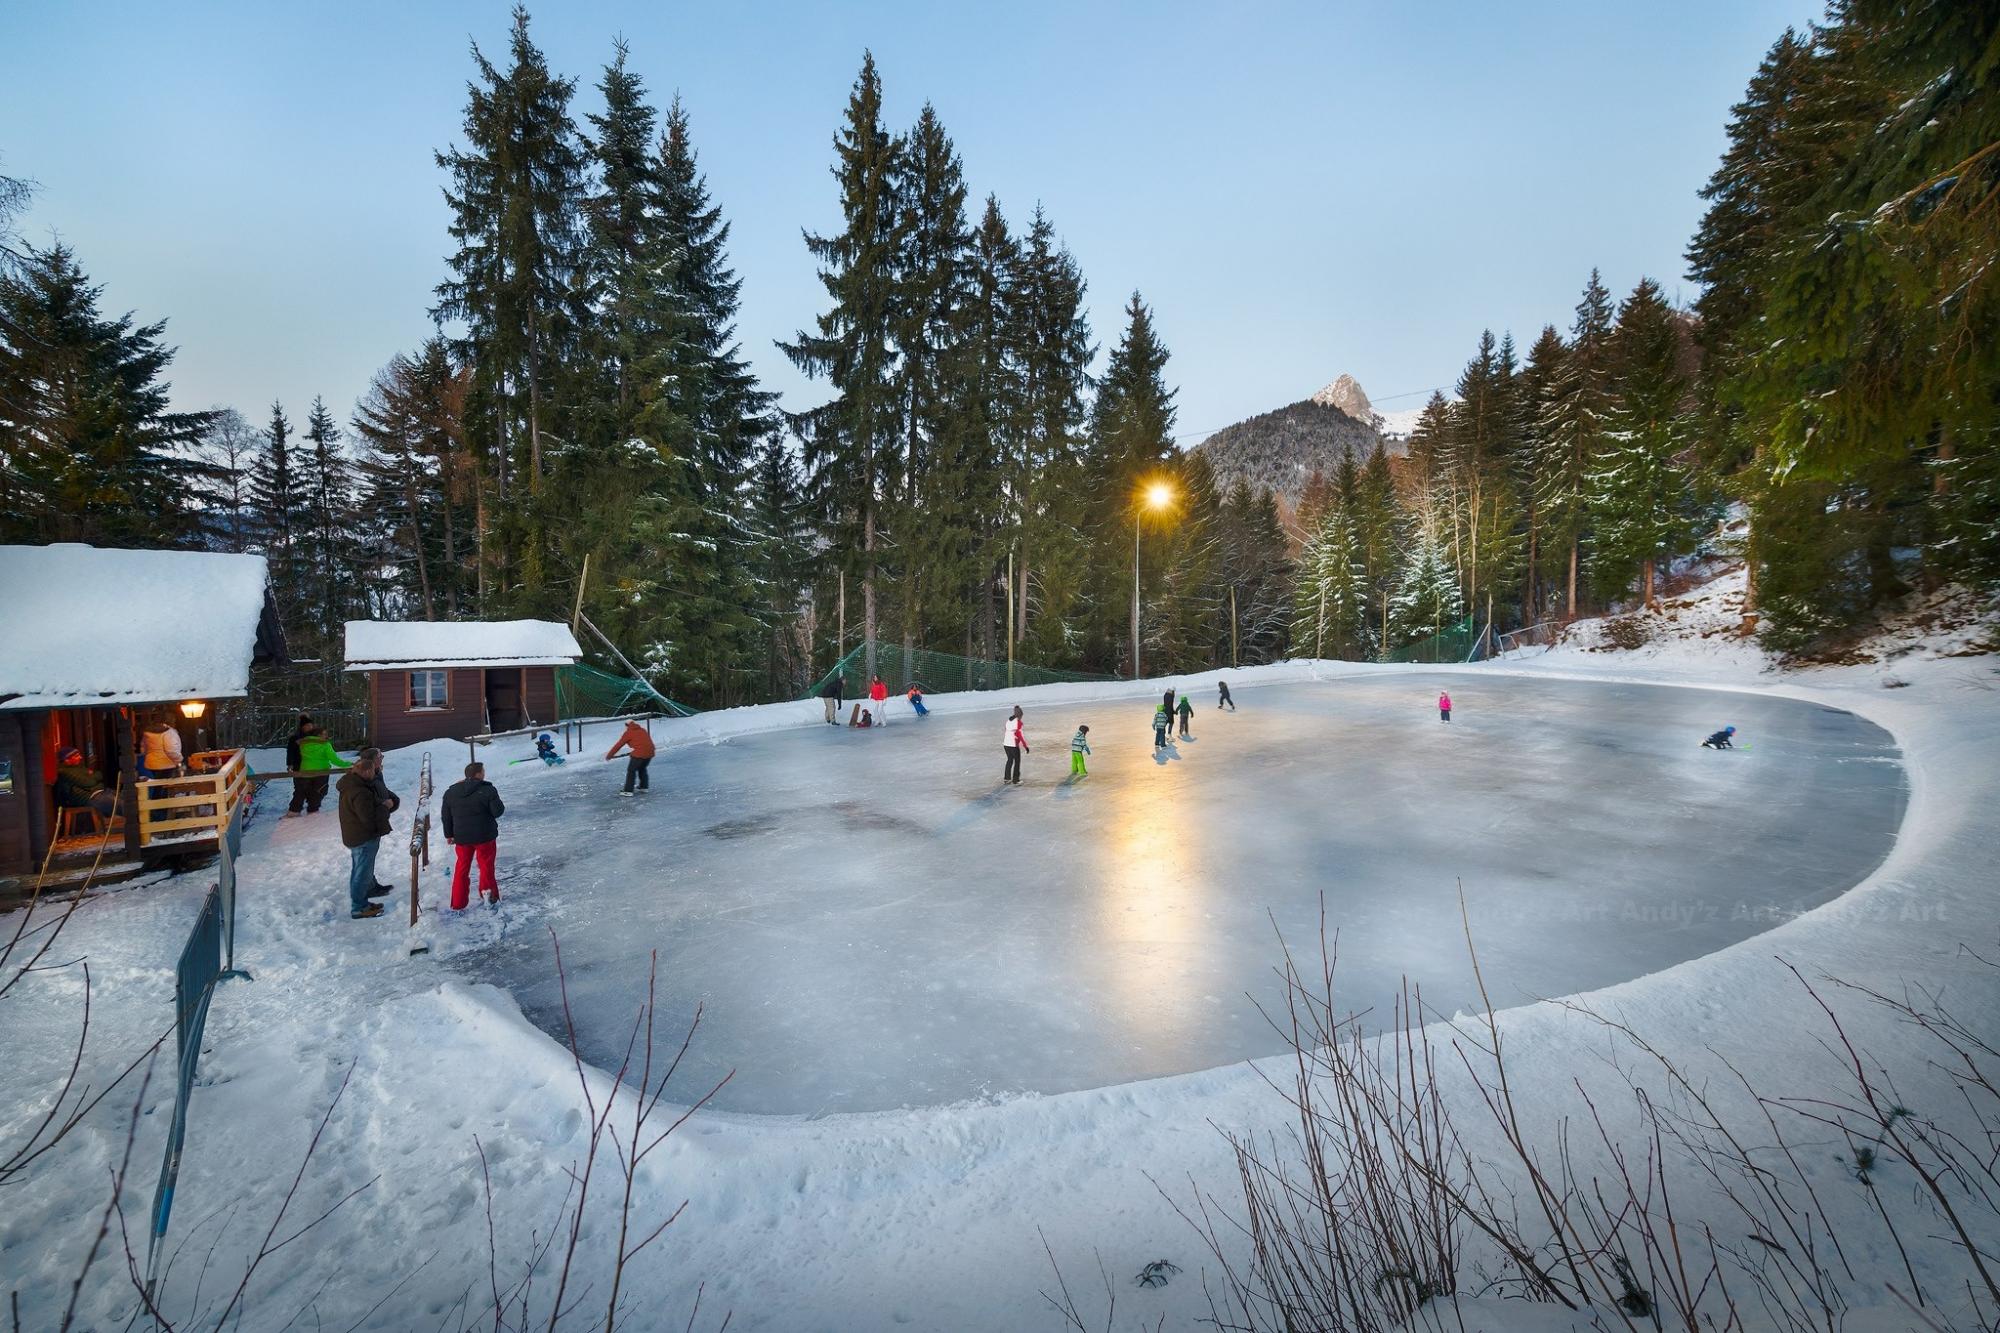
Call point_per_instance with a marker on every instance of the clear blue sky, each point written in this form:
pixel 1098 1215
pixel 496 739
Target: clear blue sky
pixel 1298 189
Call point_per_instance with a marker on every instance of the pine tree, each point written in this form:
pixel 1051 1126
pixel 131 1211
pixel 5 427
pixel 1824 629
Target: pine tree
pixel 1643 504
pixel 1572 434
pixel 1426 601
pixel 1131 441
pixel 88 448
pixel 519 283
pixel 853 442
pixel 779 547
pixel 1331 615
pixel 995 424
pixel 279 503
pixel 934 378
pixel 1378 525
pixel 1047 482
pixel 1537 391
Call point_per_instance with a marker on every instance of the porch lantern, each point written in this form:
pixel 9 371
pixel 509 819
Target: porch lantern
pixel 193 708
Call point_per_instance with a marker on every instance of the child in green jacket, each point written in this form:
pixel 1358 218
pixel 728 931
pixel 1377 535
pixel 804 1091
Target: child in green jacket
pixel 1079 746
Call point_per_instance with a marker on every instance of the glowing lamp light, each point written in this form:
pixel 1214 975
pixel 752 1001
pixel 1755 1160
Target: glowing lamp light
pixel 193 708
pixel 1159 495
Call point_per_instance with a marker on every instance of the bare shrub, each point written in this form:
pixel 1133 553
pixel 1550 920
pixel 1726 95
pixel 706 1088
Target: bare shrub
pixel 1670 1205
pixel 1628 632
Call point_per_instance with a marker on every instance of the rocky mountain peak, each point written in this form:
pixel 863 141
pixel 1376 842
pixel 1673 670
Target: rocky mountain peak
pixel 1346 394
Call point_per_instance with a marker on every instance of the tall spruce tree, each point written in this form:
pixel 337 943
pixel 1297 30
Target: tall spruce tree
pixel 89 450
pixel 853 442
pixel 279 502
pixel 1571 435
pixel 519 285
pixel 1643 503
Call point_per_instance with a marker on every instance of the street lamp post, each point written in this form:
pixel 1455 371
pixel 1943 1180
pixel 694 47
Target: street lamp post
pixel 1158 496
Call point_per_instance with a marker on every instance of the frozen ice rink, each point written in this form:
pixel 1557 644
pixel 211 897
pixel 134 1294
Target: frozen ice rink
pixel 873 922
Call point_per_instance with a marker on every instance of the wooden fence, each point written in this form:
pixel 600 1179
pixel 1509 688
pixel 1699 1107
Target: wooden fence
pixel 195 808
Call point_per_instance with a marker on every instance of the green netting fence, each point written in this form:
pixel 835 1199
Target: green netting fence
pixel 939 672
pixel 1455 643
pixel 584 691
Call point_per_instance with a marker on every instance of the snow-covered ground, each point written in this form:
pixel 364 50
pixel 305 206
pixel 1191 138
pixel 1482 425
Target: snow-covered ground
pixel 931 1217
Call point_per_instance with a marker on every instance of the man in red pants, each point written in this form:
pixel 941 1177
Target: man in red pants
pixel 472 810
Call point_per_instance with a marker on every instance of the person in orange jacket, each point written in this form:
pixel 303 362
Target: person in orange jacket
pixel 638 744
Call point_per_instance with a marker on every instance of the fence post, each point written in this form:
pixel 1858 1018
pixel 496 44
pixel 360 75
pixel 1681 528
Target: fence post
pixel 420 844
pixel 232 842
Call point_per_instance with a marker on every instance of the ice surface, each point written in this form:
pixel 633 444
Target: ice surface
pixel 872 922
pixel 84 625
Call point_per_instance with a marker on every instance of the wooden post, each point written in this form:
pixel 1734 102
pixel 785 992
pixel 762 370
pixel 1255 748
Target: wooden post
pixel 1232 628
pixel 1010 617
pixel 125 722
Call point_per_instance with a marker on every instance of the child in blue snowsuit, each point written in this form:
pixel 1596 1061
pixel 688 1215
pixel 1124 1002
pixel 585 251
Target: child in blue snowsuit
pixel 917 701
pixel 545 750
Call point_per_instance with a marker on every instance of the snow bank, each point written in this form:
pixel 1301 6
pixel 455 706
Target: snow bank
pixel 90 626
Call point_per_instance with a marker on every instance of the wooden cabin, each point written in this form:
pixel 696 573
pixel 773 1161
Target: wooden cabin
pixel 448 679
pixel 98 645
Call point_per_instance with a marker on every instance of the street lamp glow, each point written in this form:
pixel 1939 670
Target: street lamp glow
pixel 1159 495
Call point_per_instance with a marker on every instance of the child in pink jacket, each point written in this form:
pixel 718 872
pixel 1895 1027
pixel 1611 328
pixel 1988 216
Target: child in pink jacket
pixel 1444 706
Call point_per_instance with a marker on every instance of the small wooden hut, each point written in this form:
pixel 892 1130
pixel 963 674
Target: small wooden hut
pixel 97 646
pixel 436 679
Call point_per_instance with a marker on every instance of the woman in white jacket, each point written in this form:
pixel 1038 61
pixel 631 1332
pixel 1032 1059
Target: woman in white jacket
pixel 1015 742
pixel 160 751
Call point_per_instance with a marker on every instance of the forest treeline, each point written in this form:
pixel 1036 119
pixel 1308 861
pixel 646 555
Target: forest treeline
pixel 975 479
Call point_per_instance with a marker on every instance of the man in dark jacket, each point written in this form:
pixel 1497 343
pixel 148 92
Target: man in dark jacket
pixel 832 692
pixel 472 810
pixel 365 804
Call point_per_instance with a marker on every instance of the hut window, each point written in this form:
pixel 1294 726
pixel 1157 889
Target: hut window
pixel 428 690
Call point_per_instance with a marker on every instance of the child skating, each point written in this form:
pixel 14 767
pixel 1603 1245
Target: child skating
pixel 1721 740
pixel 1161 721
pixel 916 697
pixel 1444 706
pixel 1187 716
pixel 1222 699
pixel 1079 746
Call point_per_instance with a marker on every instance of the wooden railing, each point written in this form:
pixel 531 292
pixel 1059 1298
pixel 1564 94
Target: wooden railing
pixel 195 808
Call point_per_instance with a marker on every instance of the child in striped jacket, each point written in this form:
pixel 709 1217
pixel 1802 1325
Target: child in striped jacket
pixel 1079 746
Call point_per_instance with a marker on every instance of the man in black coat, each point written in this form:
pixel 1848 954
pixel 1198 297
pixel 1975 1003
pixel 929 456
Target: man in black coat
pixel 833 692
pixel 472 810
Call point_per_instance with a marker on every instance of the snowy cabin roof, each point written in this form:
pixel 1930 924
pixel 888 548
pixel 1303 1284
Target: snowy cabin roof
pixel 83 627
pixel 401 645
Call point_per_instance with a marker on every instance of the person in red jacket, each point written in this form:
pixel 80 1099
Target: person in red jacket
pixel 638 744
pixel 879 692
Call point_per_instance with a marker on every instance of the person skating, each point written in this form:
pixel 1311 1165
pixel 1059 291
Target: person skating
pixel 878 694
pixel 1161 721
pixel 317 760
pixel 1721 740
pixel 472 808
pixel 1187 715
pixel 1222 699
pixel 638 744
pixel 365 805
pixel 1015 742
pixel 916 698
pixel 1079 746
pixel 1444 707
pixel 545 750
pixel 1168 699
pixel 833 694
pixel 301 785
